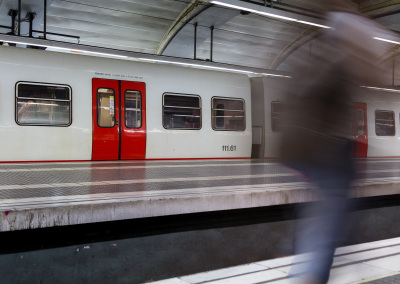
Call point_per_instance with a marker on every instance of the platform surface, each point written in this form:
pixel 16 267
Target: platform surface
pixel 38 195
pixel 372 263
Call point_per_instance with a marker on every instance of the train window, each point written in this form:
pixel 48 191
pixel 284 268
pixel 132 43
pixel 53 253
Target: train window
pixel 181 111
pixel 228 114
pixel 360 121
pixel 133 109
pixel 43 104
pixel 105 107
pixel 384 123
pixel 277 113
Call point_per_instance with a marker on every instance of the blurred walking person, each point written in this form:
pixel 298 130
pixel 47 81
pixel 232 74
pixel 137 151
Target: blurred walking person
pixel 316 140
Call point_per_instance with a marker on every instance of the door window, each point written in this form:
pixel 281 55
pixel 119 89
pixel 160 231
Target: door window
pixel 106 107
pixel 133 109
pixel 360 121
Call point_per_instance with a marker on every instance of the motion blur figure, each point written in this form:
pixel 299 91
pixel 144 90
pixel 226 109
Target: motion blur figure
pixel 317 132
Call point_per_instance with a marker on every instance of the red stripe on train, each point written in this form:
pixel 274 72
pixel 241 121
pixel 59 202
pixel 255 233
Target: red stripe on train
pixel 161 159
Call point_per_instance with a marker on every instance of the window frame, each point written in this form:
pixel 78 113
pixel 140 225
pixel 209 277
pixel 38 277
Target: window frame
pixel 42 84
pixel 141 109
pixel 394 122
pixel 182 95
pixel 364 130
pixel 98 109
pixel 232 99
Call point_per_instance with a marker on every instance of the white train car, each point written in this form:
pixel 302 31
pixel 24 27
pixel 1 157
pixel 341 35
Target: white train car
pixel 267 97
pixel 64 107
pixel 376 119
pixel 379 110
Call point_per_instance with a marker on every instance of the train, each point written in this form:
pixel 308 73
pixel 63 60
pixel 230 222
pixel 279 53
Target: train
pixel 70 107
pixel 375 119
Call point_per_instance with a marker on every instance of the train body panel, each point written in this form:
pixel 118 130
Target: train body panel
pixel 166 112
pixel 74 142
pixel 268 92
pixel 386 142
pixel 380 129
pixel 41 143
pixel 205 142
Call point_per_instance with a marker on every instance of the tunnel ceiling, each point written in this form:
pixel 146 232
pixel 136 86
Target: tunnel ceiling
pixel 167 26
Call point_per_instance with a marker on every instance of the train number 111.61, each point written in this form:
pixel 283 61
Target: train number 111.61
pixel 229 148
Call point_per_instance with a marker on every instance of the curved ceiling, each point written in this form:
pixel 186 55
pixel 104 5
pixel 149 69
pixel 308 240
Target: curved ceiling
pixel 167 27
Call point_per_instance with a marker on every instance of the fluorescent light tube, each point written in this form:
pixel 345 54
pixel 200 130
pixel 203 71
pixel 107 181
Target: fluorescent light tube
pixel 382 89
pixel 387 40
pixel 212 67
pixel 267 14
pixel 67 49
pixel 196 65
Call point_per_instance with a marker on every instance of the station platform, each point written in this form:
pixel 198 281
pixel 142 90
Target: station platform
pixel 372 263
pixel 42 195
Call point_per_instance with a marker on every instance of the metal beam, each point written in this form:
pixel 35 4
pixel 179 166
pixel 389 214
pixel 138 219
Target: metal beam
pixel 45 20
pixel 195 41
pixel 57 34
pixel 19 17
pixel 30 17
pixel 194 9
pixel 211 42
pixel 13 15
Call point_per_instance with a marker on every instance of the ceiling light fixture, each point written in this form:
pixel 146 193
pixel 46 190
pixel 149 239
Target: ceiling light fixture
pixel 387 40
pixel 212 67
pixel 242 6
pixel 275 75
pixel 68 49
pixel 197 65
pixel 382 89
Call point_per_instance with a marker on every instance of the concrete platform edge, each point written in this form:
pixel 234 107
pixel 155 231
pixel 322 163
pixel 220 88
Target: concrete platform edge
pixel 81 212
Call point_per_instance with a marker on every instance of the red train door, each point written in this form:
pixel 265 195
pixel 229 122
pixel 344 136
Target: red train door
pixel 119 120
pixel 360 130
pixel 133 120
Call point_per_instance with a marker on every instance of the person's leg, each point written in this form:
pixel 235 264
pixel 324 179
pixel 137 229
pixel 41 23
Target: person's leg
pixel 321 224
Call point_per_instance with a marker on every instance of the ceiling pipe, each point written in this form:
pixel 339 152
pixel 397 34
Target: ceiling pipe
pixel 212 43
pixel 30 17
pixel 195 41
pixel 19 17
pixel 45 20
pixel 57 34
pixel 13 15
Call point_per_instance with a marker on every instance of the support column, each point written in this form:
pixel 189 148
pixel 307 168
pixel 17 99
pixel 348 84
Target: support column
pixel 13 15
pixel 212 43
pixel 195 40
pixel 31 16
pixel 44 19
pixel 19 17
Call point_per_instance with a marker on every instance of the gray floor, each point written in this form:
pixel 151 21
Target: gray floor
pixel 37 195
pixel 374 263
pixel 54 194
pixel 30 180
